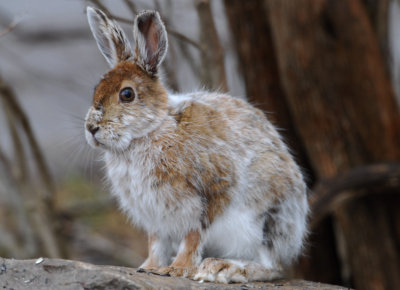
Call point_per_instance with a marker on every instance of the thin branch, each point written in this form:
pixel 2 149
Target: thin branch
pixel 184 38
pixel 120 19
pixel 169 66
pixel 8 244
pixel 9 27
pixel 185 52
pixel 37 154
pixel 43 214
pixel 101 6
pixel 332 193
pixel 212 59
pixel 131 6
pixel 45 225
pixel 19 152
pixel 156 5
pixel 170 31
pixel 19 208
pixel 5 161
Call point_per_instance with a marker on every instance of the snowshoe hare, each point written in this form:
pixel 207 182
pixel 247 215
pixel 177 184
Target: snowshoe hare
pixel 207 176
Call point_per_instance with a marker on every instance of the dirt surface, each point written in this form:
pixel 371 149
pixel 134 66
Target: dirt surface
pixel 65 274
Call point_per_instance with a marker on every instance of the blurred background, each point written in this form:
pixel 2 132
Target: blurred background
pixel 326 73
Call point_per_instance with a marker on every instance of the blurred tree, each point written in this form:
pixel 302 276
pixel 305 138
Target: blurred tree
pixel 212 73
pixel 248 20
pixel 32 215
pixel 378 13
pixel 318 64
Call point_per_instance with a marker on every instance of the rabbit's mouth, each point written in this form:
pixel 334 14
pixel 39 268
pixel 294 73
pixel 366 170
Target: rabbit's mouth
pixel 96 142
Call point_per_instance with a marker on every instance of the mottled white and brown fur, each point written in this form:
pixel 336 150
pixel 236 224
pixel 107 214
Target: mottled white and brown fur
pixel 206 175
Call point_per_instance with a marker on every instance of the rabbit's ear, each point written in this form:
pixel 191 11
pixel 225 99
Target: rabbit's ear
pixel 109 36
pixel 151 40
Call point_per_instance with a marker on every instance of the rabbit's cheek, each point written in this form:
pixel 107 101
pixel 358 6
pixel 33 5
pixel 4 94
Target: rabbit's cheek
pixel 138 124
pixel 113 136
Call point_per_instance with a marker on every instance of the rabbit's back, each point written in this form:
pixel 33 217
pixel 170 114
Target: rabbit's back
pixel 241 145
pixel 212 122
pixel 221 116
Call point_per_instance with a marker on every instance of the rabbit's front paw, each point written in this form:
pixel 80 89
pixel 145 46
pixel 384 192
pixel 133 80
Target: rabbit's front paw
pixel 187 272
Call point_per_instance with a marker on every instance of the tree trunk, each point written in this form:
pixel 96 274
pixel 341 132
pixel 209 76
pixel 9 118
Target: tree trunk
pixel 343 105
pixel 252 38
pixel 378 13
pixel 212 72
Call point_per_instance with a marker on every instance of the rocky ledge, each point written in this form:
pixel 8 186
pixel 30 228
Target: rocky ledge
pixel 65 274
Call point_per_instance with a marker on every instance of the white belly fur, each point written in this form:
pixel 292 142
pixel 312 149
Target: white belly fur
pixel 234 235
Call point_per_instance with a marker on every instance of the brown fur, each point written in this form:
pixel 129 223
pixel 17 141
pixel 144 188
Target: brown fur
pixel 147 87
pixel 214 170
pixel 185 262
pixel 187 257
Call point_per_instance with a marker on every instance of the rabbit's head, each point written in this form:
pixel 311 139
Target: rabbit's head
pixel 130 101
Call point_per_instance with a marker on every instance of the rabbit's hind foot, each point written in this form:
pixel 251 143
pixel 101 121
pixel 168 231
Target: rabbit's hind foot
pixel 234 271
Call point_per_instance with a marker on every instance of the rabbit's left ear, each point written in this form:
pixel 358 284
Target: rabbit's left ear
pixel 109 36
pixel 151 41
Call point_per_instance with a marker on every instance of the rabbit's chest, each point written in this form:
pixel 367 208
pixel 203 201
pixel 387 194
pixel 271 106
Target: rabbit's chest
pixel 156 209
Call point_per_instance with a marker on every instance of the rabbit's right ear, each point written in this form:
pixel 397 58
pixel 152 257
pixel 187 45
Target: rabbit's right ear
pixel 151 41
pixel 109 36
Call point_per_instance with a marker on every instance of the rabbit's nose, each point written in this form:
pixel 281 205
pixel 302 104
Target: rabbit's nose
pixel 93 129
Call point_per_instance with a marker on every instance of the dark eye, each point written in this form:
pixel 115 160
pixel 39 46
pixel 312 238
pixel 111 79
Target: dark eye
pixel 126 95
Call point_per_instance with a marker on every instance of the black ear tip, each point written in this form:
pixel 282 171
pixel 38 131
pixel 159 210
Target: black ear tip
pixel 148 18
pixel 147 15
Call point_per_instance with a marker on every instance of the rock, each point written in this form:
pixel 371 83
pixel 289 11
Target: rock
pixel 65 274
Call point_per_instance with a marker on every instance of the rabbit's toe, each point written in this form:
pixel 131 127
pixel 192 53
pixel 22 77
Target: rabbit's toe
pixel 187 272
